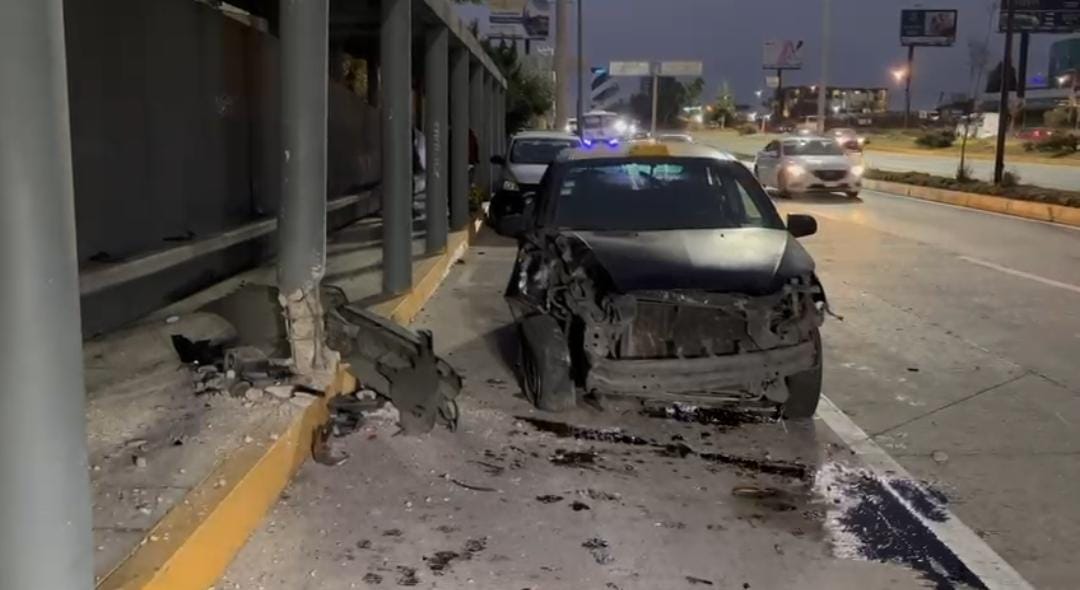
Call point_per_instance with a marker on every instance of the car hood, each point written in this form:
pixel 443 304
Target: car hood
pixel 528 173
pixel 821 162
pixel 754 261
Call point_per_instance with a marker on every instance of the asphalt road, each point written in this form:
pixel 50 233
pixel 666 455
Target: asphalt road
pixel 953 369
pixel 1045 175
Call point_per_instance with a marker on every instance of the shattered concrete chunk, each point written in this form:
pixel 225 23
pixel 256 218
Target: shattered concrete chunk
pixel 280 391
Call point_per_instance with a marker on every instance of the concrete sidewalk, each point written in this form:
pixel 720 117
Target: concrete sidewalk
pixel 617 495
pixel 155 442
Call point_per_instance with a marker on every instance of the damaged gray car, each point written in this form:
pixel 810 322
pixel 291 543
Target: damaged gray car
pixel 664 272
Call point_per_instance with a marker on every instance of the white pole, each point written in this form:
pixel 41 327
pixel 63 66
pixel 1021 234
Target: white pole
pixel 655 97
pixel 823 85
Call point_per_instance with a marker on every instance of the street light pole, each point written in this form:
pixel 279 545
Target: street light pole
pixel 581 69
pixel 655 96
pixel 907 85
pixel 562 63
pixel 823 86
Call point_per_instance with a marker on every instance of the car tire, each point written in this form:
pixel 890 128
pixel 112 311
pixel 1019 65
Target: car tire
pixel 544 360
pixel 781 187
pixel 853 194
pixel 804 389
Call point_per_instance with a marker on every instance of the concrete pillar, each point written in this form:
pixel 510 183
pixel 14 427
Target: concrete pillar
pixel 302 214
pixel 477 119
pixel 459 137
pixel 395 50
pixel 436 115
pixel 45 537
pixel 372 64
pixel 486 143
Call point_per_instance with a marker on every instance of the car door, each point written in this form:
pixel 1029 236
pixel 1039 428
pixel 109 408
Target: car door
pixel 767 162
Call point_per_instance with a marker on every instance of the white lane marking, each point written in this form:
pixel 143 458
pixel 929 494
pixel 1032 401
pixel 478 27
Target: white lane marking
pixel 994 571
pixel 1022 274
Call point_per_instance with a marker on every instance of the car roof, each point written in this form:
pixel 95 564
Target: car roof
pixel 644 148
pixel 540 134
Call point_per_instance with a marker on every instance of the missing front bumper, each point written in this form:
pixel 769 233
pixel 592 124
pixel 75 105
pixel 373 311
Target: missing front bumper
pixel 746 373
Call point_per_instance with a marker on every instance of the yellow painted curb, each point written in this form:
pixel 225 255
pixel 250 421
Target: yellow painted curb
pixel 193 544
pixel 1016 207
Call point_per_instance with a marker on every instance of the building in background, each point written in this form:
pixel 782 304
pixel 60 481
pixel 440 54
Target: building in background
pixel 801 101
pixel 1064 58
pixel 603 90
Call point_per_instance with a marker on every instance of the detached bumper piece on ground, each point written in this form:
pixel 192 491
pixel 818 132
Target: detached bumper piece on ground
pixel 397 363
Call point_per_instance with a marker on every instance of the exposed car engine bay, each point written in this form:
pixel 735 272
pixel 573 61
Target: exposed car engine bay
pixel 669 344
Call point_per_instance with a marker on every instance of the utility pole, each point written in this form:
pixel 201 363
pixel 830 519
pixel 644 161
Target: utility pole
pixel 907 85
pixel 1003 103
pixel 581 69
pixel 655 95
pixel 779 95
pixel 823 85
pixel 1021 79
pixel 562 63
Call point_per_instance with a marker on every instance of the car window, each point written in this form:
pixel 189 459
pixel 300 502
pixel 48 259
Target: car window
pixel 653 194
pixel 538 150
pixel 774 146
pixel 812 147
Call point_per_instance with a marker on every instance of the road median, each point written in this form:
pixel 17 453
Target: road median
pixel 1028 209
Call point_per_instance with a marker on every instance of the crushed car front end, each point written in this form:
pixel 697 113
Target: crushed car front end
pixel 737 341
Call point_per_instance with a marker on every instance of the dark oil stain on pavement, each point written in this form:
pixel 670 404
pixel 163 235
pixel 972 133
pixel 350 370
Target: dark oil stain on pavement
pixel 887 531
pixel 676 449
pixel 563 430
pixel 407 576
pixel 929 504
pixel 722 418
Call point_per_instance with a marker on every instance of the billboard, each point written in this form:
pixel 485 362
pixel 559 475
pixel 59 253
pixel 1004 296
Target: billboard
pixel 782 55
pixel 677 69
pixel 933 28
pixel 1043 16
pixel 520 19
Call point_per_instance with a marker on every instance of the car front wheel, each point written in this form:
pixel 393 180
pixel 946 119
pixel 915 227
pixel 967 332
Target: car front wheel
pixel 545 365
pixel 804 389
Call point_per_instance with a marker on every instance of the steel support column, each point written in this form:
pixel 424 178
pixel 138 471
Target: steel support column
pixel 395 51
pixel 302 214
pixel 436 113
pixel 45 537
pixel 459 138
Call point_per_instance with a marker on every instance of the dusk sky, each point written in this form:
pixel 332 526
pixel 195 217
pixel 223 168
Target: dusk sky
pixel 727 36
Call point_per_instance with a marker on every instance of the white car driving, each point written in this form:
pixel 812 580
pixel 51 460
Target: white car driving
pixel 810 164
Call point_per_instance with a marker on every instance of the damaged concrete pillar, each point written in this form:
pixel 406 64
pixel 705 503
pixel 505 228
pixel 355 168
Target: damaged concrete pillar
pixel 302 214
pixel 459 138
pixel 436 113
pixel 45 537
pixel 395 53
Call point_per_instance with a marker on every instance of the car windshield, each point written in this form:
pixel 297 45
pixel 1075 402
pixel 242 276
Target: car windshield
pixel 651 194
pixel 812 147
pixel 538 151
pixel 599 121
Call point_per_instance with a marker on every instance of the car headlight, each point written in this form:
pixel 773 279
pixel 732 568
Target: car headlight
pixel 795 170
pixel 510 185
pixel 857 170
pixel 621 126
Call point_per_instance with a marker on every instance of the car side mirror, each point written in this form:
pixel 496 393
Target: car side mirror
pixel 513 225
pixel 801 225
pixel 498 160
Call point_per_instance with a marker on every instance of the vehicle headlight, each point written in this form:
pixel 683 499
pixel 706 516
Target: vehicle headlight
pixel 568 128
pixel 510 185
pixel 795 170
pixel 621 126
pixel 857 170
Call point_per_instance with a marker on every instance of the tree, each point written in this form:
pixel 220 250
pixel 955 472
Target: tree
pixel 993 81
pixel 673 96
pixel 723 108
pixel 529 93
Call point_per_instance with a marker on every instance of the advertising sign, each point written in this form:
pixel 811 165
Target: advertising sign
pixel 630 68
pixel 1043 16
pixel 782 55
pixel 933 28
pixel 520 19
pixel 680 68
